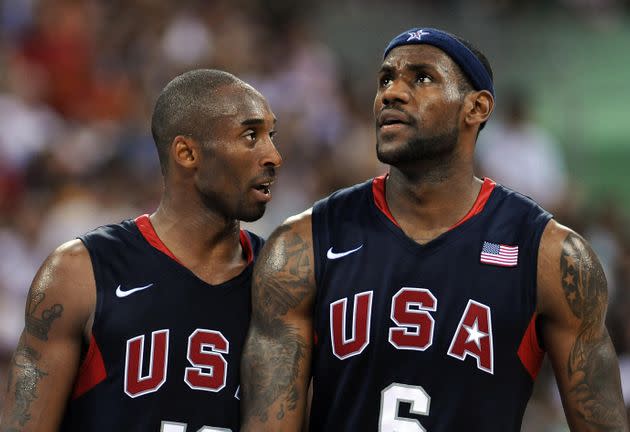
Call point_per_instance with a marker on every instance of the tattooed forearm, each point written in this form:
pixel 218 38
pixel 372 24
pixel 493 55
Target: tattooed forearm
pixel 592 364
pixel 592 372
pixel 270 371
pixel 40 326
pixel 26 375
pixel 283 281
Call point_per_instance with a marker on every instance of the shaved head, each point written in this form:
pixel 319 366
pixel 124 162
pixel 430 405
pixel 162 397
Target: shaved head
pixel 188 105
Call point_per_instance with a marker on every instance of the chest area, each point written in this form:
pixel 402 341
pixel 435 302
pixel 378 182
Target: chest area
pixel 380 297
pixel 161 329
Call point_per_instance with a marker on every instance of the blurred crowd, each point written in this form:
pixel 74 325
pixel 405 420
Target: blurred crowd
pixel 78 79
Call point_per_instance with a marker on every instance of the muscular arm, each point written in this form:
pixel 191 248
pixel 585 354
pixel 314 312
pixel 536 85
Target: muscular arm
pixel 572 301
pixel 46 359
pixel 277 354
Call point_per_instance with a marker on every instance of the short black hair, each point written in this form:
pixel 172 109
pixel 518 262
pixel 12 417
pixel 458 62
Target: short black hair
pixel 184 106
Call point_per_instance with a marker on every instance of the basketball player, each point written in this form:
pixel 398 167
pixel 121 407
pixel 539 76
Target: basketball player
pixel 139 326
pixel 423 300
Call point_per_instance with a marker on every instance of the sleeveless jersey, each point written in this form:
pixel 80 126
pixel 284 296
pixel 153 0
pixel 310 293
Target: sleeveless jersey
pixel 166 346
pixel 437 337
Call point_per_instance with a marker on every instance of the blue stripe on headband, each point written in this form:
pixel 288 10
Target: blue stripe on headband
pixel 467 61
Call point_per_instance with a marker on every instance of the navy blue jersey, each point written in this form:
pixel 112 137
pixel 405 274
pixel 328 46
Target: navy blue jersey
pixel 166 346
pixel 437 337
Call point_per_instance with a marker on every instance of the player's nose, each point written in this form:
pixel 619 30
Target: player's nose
pixel 396 92
pixel 271 155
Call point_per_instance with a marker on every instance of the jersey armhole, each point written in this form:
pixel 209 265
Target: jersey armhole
pixel 91 372
pixel 529 351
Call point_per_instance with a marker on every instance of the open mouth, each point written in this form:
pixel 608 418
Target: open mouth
pixel 391 122
pixel 392 117
pixel 265 187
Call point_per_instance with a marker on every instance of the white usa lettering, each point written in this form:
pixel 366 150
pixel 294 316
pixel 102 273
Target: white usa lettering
pixel 205 353
pixel 411 312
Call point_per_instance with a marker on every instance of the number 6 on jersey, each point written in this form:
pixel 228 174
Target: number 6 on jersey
pixel 181 427
pixel 391 397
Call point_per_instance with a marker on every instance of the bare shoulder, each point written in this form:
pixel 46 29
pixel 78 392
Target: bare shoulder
pixel 58 308
pixel 572 301
pixel 64 285
pixel 276 356
pixel 298 225
pixel 71 257
pixel 570 272
pixel 284 273
pixel 292 237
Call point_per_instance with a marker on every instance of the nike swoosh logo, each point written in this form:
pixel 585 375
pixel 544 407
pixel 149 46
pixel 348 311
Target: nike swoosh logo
pixel 336 255
pixel 120 293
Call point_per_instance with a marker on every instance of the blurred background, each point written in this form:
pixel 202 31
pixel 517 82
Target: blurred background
pixel 78 79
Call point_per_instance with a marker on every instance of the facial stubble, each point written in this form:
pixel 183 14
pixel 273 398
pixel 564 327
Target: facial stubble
pixel 438 149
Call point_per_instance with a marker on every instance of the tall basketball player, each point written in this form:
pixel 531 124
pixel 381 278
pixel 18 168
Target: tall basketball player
pixel 139 326
pixel 424 300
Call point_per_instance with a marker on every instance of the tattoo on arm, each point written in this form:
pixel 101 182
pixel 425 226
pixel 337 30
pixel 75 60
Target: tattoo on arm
pixel 25 373
pixel 271 372
pixel 40 326
pixel 592 362
pixel 272 357
pixel 283 285
pixel 27 377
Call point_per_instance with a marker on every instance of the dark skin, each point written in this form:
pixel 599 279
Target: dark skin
pixel 427 192
pixel 203 234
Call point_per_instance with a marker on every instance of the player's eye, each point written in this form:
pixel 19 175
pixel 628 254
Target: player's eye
pixel 272 134
pixel 250 135
pixel 423 78
pixel 384 80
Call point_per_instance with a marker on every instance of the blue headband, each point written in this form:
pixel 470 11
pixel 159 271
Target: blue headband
pixel 467 61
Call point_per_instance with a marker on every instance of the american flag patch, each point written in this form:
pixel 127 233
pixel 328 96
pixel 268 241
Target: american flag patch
pixel 498 254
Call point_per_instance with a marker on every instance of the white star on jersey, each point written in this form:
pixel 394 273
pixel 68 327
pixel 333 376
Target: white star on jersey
pixel 474 334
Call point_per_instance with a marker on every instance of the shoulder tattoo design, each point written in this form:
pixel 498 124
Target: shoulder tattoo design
pixel 280 285
pixel 283 284
pixel 40 326
pixel 591 365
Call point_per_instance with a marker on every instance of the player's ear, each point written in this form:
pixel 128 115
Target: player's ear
pixel 479 106
pixel 185 151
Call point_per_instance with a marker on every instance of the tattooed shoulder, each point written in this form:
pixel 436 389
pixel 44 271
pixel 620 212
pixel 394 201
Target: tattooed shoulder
pixel 284 273
pixel 277 346
pixel 63 288
pixel 38 322
pixel 583 279
pixel 594 389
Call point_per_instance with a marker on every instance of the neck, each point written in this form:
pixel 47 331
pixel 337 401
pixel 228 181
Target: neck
pixel 429 199
pixel 202 240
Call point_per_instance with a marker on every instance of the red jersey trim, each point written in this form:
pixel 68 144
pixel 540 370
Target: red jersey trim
pixel 91 372
pixel 529 350
pixel 484 194
pixel 246 244
pixel 148 232
pixel 378 190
